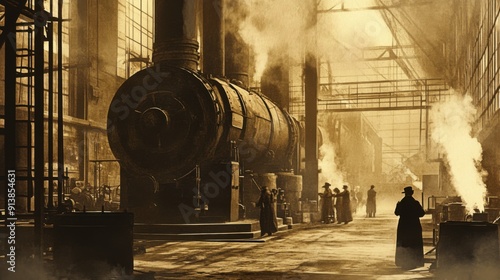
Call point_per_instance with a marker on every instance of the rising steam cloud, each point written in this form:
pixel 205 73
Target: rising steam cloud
pixel 452 131
pixel 329 170
pixel 280 25
pixel 290 28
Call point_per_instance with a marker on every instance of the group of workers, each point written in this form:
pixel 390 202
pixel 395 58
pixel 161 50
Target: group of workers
pixel 336 201
pixel 409 243
pixel 339 202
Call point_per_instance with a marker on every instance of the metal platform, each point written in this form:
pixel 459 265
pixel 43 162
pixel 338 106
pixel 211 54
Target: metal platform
pixel 246 229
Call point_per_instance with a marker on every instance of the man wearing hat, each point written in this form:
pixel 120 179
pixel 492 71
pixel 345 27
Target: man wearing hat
pixel 327 212
pixel 346 214
pixel 409 243
pixel 267 219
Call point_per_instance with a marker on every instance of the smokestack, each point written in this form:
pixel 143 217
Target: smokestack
pixel 275 79
pixel 213 37
pixel 238 52
pixel 311 88
pixel 175 33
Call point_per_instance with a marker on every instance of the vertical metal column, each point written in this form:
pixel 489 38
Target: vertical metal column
pixel 40 21
pixel 310 188
pixel 60 140
pixel 50 124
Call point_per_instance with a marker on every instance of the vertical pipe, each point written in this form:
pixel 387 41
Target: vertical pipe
pixel 50 124
pixel 60 140
pixel 426 121
pixel 40 21
pixel 175 33
pixel 420 125
pixel 310 188
pixel 275 80
pixel 213 37
pixel 237 60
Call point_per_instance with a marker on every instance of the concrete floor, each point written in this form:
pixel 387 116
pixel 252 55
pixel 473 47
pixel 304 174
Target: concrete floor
pixel 363 249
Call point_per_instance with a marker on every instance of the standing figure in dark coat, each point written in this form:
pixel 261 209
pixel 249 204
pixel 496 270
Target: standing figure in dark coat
pixel 371 202
pixel 409 243
pixel 346 214
pixel 338 204
pixel 327 212
pixel 268 222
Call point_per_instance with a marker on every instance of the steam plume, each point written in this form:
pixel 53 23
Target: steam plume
pixel 452 131
pixel 279 24
pixel 288 26
pixel 329 170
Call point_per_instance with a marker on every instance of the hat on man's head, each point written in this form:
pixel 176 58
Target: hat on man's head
pixel 326 185
pixel 408 189
pixel 344 186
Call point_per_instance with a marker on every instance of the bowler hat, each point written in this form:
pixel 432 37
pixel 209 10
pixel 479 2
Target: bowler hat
pixel 408 189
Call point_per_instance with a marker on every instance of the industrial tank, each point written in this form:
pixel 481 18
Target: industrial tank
pixel 181 137
pixel 165 120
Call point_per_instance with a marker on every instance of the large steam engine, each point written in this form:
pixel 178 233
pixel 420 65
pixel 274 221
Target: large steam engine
pixel 183 139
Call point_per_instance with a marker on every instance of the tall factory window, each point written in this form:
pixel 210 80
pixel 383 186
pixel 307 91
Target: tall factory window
pixel 484 65
pixel 25 37
pixel 135 36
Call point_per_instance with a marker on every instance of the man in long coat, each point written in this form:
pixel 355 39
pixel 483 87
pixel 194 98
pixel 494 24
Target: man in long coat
pixel 346 214
pixel 268 222
pixel 371 202
pixel 409 243
pixel 327 212
pixel 338 205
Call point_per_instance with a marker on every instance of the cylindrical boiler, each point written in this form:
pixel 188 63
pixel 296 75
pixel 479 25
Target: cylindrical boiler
pixel 163 121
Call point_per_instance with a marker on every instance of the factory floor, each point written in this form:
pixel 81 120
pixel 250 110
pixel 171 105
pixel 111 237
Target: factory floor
pixel 362 249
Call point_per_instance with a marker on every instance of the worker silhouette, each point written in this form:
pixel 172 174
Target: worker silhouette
pixel 409 243
pixel 327 212
pixel 338 204
pixel 371 202
pixel 344 198
pixel 268 222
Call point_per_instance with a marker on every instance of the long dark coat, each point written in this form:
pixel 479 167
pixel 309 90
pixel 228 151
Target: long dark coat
pixel 371 203
pixel 409 243
pixel 268 222
pixel 327 212
pixel 345 213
